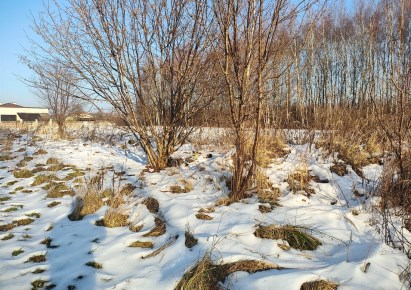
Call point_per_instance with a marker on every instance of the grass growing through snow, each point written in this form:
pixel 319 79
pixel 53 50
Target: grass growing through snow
pixel 24 173
pixel 296 236
pixel 140 244
pixel 319 285
pixel 94 264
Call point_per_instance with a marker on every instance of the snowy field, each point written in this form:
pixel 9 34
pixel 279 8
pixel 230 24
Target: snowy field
pixel 40 247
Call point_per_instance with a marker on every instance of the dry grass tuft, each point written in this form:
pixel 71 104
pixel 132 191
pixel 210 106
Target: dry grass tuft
pixel 24 173
pixel 158 230
pixel 127 189
pixel 206 275
pixel 4 198
pixel 319 285
pixel 89 203
pixel 296 236
pixel 37 259
pixel 190 240
pixel 183 186
pixel 94 264
pixel 224 201
pixel 202 216
pixel 74 174
pixel 53 204
pixel 23 222
pixel 339 168
pixel 151 204
pixel 113 219
pixel 17 252
pixel 299 180
pixel 135 228
pixel 39 283
pixel 52 160
pixel 7 237
pixel 271 147
pixel 58 189
pixel 40 152
pixel 140 244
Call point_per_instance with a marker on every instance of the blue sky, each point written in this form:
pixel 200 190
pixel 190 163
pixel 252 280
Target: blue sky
pixel 15 21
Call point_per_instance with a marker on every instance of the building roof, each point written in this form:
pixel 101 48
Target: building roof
pixel 10 105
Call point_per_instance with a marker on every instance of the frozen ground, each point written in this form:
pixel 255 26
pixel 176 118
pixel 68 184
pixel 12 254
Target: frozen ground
pixel 335 215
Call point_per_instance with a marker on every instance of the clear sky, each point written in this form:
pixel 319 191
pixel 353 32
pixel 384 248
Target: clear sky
pixel 15 22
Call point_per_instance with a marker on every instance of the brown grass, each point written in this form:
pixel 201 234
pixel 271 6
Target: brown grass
pixel 58 189
pixel 7 237
pixel 183 186
pixel 94 264
pixel 339 168
pixel 190 241
pixel 206 275
pixel 299 180
pixel 158 230
pixel 202 216
pixel 140 244
pixel 113 219
pixel 319 285
pixel 151 204
pixel 37 259
pixel 24 173
pixel 296 236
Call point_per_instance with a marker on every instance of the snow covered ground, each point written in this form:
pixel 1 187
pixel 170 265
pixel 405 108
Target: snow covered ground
pixel 336 213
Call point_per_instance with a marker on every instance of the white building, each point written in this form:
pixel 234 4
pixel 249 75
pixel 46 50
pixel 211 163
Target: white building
pixel 10 112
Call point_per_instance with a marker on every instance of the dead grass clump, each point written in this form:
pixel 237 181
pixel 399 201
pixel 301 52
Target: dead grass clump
pixel 158 230
pixel 40 152
pixel 38 169
pixel 203 276
pixel 299 180
pixel 296 236
pixel 24 173
pixel 52 160
pixel 135 228
pixel 140 244
pixel 53 204
pixel 42 178
pixel 87 204
pixel 38 271
pixel 7 237
pixel 202 216
pixel 34 214
pixel 190 240
pixel 339 168
pixel 4 198
pixel 10 183
pixel 56 167
pixel 74 174
pixel 183 186
pixel 271 147
pixel 224 201
pixel 265 191
pixel 127 189
pixel 113 219
pixel 17 252
pixel 59 189
pixel 39 283
pixel 37 259
pixel 206 275
pixel 7 227
pixel 319 285
pixel 94 264
pixel 264 209
pixel 6 157
pixel 151 204
pixel 23 222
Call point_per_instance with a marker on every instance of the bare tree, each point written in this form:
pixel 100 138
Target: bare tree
pixel 57 87
pixel 145 58
pixel 252 35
